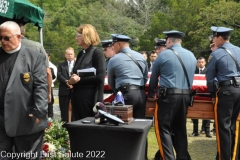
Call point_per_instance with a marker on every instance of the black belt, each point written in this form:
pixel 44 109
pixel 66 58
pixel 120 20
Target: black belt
pixel 178 91
pixel 132 87
pixel 226 83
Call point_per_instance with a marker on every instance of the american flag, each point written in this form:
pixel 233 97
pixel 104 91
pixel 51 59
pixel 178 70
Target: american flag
pixel 199 83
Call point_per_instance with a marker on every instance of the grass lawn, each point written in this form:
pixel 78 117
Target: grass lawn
pixel 200 148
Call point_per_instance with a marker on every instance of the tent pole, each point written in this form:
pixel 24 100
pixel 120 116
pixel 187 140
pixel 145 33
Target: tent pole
pixel 40 35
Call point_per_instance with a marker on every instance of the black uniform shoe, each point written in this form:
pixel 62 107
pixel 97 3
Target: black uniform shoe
pixel 202 132
pixel 194 135
pixel 208 135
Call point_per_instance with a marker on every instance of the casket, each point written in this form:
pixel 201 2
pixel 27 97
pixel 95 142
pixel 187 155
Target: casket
pixel 202 106
pixel 124 112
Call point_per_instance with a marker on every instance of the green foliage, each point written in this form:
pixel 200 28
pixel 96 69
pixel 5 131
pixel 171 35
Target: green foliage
pixel 217 14
pixel 142 20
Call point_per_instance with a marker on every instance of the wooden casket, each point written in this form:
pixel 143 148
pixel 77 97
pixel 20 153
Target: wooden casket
pixel 124 112
pixel 201 109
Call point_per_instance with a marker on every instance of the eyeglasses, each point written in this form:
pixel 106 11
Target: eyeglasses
pixel 6 38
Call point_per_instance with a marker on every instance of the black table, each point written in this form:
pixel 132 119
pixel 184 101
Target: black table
pixel 108 142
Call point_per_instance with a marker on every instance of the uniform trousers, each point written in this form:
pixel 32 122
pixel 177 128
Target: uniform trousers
pixel 226 110
pixel 136 98
pixel 83 100
pixel 170 127
pixel 26 146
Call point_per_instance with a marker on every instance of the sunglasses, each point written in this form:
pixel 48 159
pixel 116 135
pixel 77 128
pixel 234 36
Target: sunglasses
pixel 6 38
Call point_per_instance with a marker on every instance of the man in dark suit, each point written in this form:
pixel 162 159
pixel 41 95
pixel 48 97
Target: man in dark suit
pixel 205 123
pixel 63 74
pixel 153 57
pixel 23 95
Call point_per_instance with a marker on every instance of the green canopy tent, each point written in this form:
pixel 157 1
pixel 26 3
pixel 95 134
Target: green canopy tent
pixel 22 11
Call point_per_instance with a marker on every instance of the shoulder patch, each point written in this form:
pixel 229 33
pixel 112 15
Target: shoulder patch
pixel 209 58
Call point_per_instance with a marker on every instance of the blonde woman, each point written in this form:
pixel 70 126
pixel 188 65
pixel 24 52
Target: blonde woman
pixel 87 89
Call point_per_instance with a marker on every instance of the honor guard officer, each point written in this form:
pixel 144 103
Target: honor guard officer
pixel 224 65
pixel 108 50
pixel 125 75
pixel 174 98
pixel 160 45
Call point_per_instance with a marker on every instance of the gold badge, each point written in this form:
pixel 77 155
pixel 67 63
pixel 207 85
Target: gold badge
pixel 209 58
pixel 26 77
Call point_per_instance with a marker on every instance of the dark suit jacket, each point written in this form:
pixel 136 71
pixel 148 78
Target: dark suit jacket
pixel 62 76
pixel 203 72
pixel 23 97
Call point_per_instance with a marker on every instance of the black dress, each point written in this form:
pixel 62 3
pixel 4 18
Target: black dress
pixel 88 90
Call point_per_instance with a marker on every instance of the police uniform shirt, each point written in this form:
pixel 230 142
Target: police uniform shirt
pixel 122 69
pixel 221 65
pixel 170 69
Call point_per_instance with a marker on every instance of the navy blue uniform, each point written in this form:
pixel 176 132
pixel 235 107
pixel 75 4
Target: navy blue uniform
pixel 227 104
pixel 170 115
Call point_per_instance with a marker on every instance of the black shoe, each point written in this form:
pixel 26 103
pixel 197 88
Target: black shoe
pixel 214 131
pixel 202 132
pixel 208 135
pixel 194 135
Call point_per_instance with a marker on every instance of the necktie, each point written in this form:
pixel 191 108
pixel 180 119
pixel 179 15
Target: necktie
pixel 200 71
pixel 70 67
pixel 151 67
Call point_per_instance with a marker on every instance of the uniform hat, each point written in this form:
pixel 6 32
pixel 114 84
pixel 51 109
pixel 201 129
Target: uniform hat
pixel 107 43
pixel 110 118
pixel 221 31
pixel 173 34
pixel 159 42
pixel 120 38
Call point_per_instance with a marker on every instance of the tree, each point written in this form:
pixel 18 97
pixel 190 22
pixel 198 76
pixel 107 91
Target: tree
pixel 177 15
pixel 217 14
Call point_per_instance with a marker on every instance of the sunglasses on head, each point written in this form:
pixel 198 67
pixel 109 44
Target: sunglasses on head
pixel 6 38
